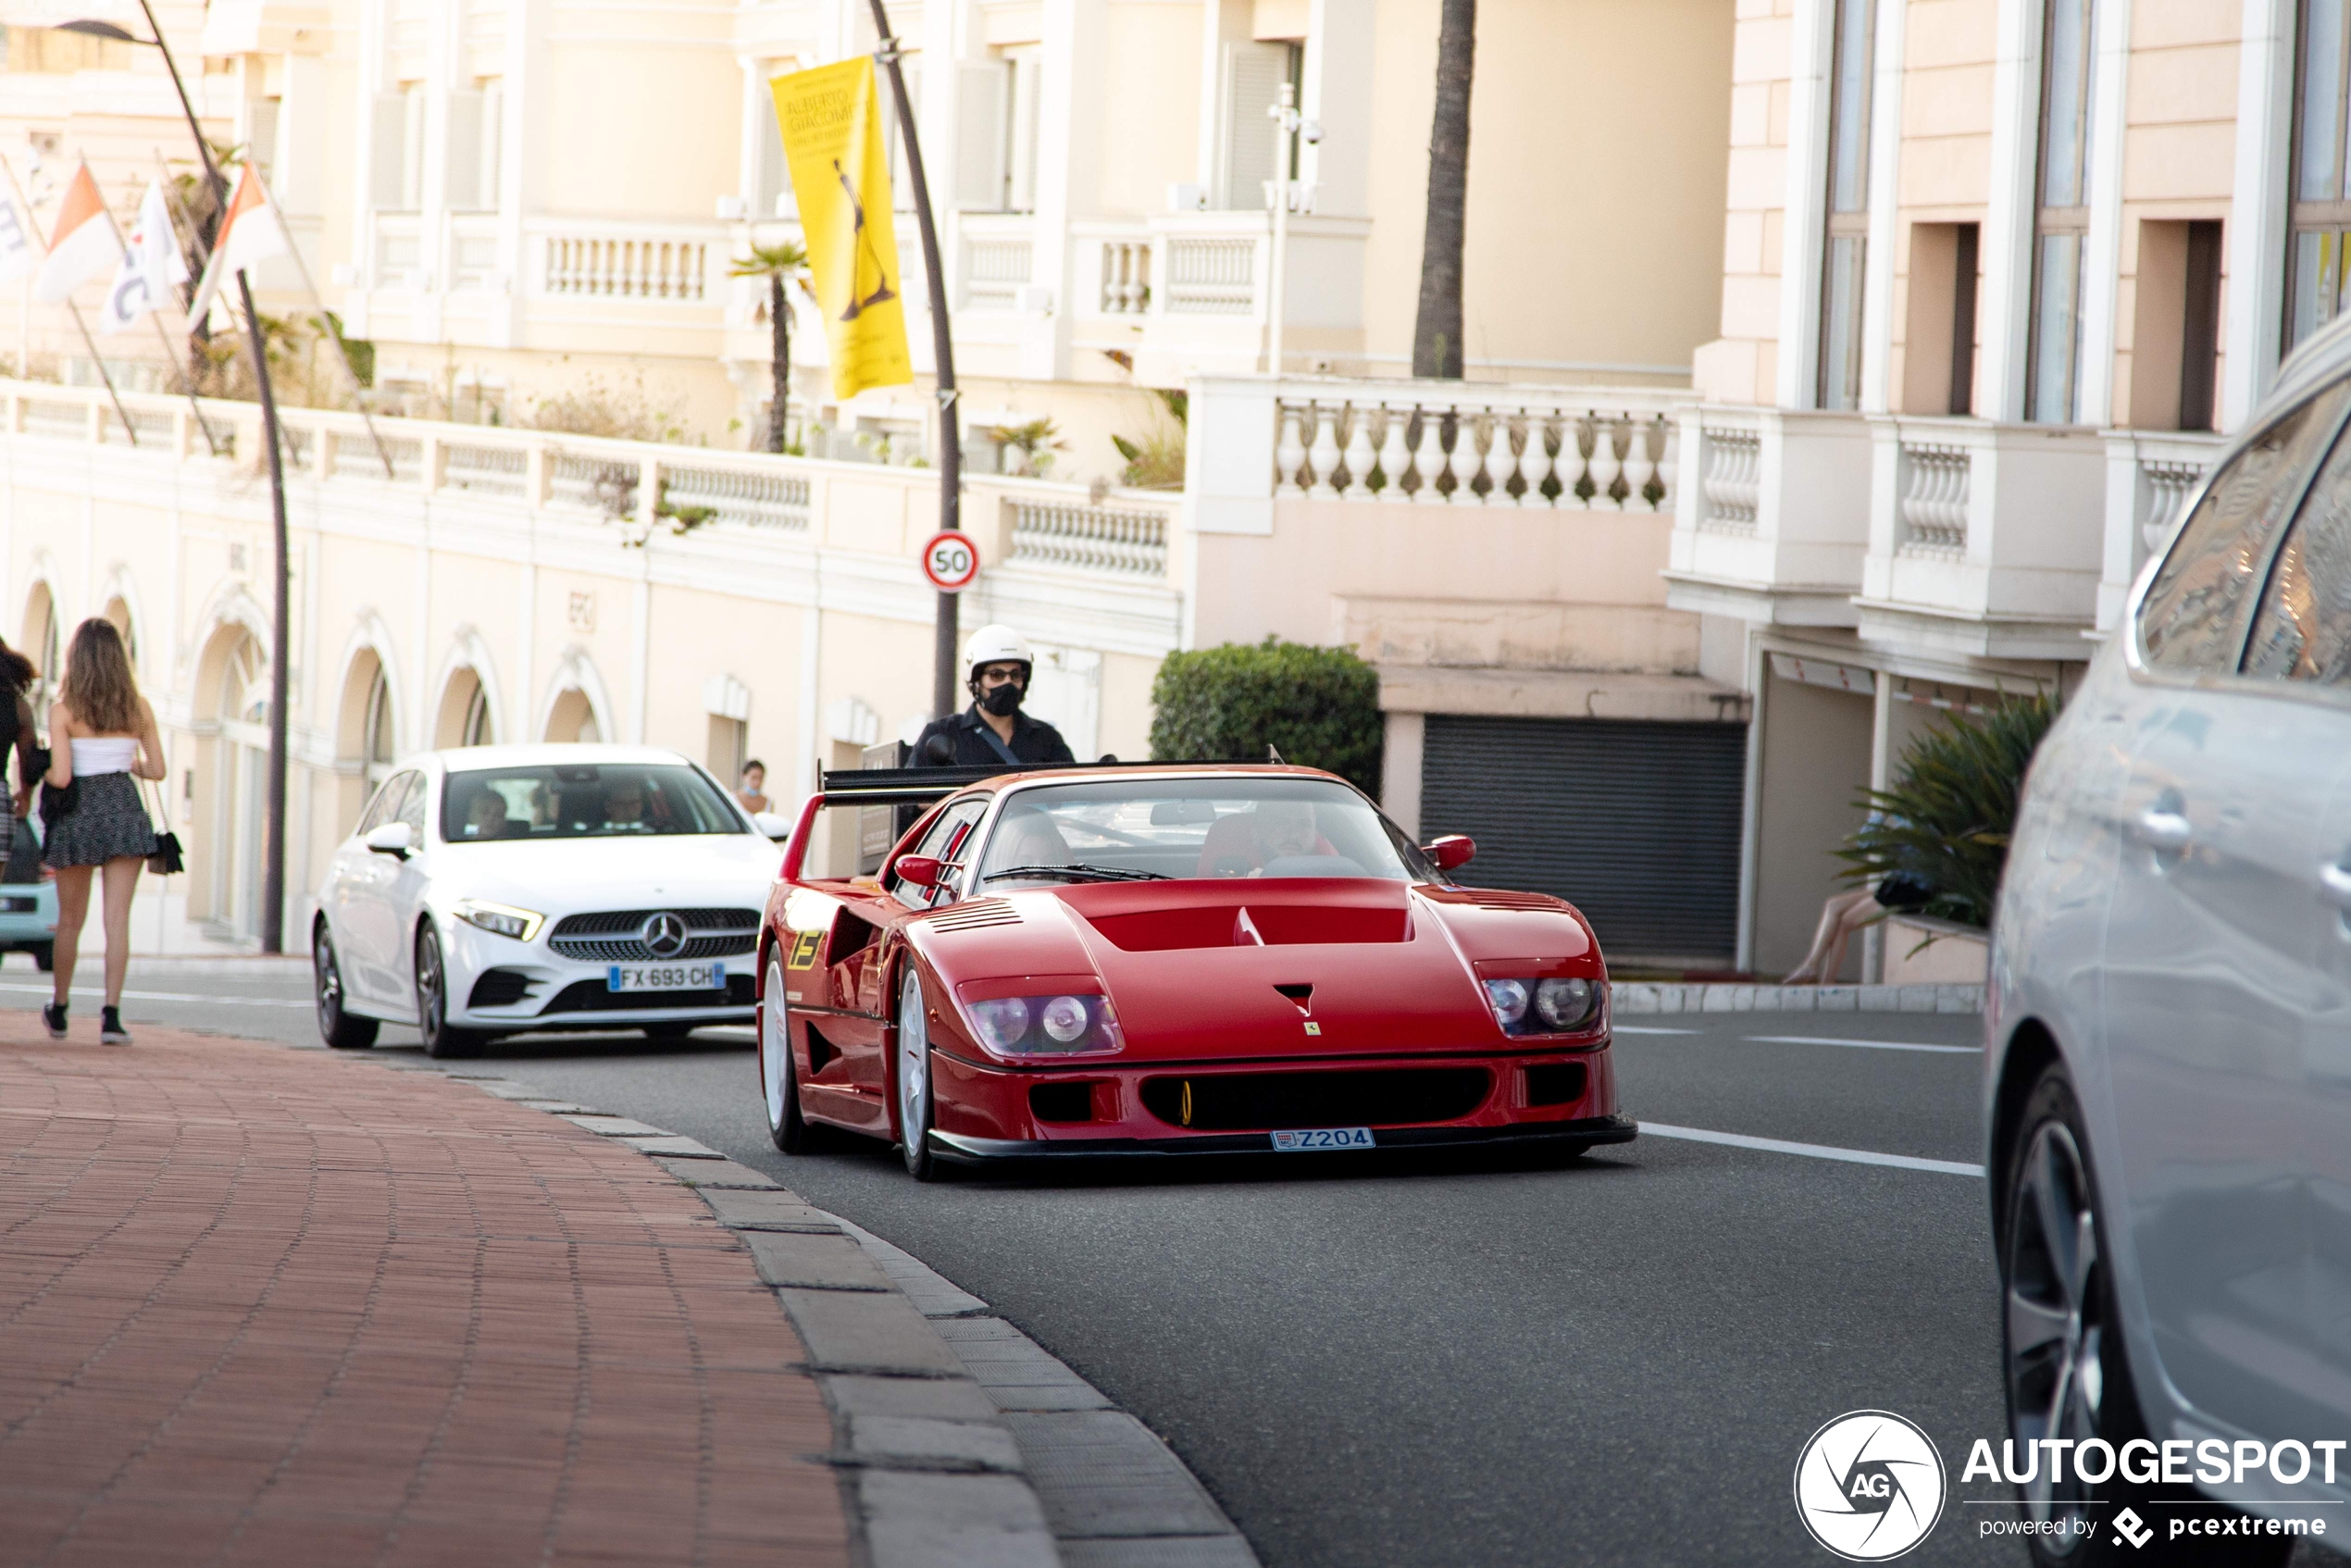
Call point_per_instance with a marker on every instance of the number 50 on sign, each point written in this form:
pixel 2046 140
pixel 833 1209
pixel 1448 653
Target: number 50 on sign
pixel 950 561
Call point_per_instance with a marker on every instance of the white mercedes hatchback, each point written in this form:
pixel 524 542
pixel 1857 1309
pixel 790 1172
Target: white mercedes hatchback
pixel 494 889
pixel 2168 1023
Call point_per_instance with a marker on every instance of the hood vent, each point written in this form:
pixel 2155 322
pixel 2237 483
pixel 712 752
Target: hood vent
pixel 976 915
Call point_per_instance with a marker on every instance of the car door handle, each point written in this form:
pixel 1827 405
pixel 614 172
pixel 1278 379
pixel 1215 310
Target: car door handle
pixel 2336 882
pixel 2159 829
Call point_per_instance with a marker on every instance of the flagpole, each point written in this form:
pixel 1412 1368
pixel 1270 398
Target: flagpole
pixel 120 412
pixel 273 863
pixel 943 681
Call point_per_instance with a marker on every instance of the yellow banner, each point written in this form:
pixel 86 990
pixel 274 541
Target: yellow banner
pixel 831 121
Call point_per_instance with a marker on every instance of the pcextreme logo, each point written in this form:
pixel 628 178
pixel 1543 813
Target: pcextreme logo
pixel 1869 1486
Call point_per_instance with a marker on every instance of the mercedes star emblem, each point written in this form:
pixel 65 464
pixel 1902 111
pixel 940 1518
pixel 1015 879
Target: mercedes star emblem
pixel 663 934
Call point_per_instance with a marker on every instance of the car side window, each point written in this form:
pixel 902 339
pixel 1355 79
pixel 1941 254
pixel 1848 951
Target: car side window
pixel 2303 629
pixel 2189 621
pixel 412 810
pixel 942 839
pixel 386 802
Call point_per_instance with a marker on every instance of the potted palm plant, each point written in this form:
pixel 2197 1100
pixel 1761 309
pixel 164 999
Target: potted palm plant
pixel 783 263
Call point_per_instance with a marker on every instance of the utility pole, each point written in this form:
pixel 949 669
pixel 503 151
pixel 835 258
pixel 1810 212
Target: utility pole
pixel 943 679
pixel 273 863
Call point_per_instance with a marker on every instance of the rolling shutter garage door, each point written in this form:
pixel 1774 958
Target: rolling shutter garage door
pixel 1634 822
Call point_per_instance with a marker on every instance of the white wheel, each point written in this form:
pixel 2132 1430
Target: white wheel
pixel 913 1079
pixel 779 1085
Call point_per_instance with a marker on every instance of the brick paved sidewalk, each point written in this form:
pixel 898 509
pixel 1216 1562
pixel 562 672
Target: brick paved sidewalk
pixel 270 1306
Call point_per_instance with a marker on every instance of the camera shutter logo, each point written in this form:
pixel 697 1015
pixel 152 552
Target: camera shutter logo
pixel 663 934
pixel 1870 1485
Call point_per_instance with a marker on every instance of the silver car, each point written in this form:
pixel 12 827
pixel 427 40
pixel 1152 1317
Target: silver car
pixel 2169 1027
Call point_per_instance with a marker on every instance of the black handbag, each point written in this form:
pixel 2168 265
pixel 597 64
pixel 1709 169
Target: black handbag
pixel 58 804
pixel 166 860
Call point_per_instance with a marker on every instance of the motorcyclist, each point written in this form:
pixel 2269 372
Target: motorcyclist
pixel 997 662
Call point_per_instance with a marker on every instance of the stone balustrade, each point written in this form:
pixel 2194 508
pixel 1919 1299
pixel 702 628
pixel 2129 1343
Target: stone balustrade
pixel 2150 476
pixel 1460 444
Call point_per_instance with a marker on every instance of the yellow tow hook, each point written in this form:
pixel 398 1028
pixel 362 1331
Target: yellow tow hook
pixel 1187 1111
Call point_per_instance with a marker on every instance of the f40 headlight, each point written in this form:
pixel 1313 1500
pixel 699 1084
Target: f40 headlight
pixel 1555 1007
pixel 1068 1025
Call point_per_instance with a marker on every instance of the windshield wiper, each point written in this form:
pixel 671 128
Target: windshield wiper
pixel 1078 872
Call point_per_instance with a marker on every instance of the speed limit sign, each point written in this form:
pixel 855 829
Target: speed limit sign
pixel 951 560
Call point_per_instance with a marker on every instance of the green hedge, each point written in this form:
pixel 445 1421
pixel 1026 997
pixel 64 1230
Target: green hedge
pixel 1318 707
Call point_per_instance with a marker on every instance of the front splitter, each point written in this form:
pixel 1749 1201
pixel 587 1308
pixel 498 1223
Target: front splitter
pixel 965 1150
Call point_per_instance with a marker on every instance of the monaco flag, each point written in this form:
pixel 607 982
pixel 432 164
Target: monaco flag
pixel 84 245
pixel 151 270
pixel 250 232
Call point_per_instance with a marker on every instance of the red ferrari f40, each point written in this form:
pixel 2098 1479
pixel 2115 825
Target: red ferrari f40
pixel 1152 960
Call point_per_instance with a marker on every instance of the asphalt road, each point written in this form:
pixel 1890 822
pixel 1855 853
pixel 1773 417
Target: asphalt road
pixel 1374 1360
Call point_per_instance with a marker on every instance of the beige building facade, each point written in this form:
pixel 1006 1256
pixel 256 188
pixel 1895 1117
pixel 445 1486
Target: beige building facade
pixel 1999 276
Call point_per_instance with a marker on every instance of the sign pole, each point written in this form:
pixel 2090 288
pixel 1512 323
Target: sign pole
pixel 943 681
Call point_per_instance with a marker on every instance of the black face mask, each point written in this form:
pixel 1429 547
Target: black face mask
pixel 1005 701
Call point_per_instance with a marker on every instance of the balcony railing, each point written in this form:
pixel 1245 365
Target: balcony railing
pixel 2150 475
pixel 647 262
pixel 642 490
pixel 1607 450
pixel 1985 539
pixel 1097 538
pixel 1774 515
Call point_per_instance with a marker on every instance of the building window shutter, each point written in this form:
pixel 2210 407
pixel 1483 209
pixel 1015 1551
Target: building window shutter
pixel 1029 83
pixel 982 87
pixel 412 156
pixel 464 151
pixel 1253 86
pixel 493 138
pixel 387 183
pixel 774 175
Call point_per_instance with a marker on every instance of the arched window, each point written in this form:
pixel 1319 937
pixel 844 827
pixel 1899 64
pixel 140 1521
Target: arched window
pixel 377 743
pixel 476 731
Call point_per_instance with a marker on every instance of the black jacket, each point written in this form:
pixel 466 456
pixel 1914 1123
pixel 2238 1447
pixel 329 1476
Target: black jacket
pixel 1033 741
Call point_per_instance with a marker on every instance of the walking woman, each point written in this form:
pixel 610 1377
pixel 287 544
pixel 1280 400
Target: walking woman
pixel 102 738
pixel 17 676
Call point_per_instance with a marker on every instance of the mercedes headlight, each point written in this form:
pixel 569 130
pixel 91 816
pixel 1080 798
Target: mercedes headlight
pixel 503 920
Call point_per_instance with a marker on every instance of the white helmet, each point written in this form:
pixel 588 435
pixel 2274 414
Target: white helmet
pixel 995 645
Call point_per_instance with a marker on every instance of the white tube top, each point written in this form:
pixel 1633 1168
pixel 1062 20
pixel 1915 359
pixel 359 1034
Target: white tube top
pixel 103 754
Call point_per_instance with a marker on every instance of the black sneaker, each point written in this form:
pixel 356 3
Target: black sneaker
pixel 54 1015
pixel 110 1030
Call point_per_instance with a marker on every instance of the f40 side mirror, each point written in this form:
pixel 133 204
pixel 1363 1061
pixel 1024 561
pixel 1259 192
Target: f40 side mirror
pixel 393 838
pixel 1452 849
pixel 922 870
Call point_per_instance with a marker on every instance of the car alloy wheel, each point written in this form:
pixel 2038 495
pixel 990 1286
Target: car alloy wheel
pixel 337 1029
pixel 2056 1327
pixel 432 1003
pixel 779 1078
pixel 913 1079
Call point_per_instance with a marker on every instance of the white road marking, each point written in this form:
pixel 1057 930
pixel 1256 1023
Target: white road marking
pixel 165 996
pixel 1869 1044
pixel 1811 1151
pixel 1645 1029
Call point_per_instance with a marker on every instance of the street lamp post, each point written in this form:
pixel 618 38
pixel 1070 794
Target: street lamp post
pixel 273 872
pixel 943 680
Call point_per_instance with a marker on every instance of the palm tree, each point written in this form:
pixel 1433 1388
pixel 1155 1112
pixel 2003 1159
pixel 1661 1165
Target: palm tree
pixel 781 263
pixel 1437 332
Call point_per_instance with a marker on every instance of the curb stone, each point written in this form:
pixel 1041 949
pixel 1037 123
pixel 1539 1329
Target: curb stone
pixel 1642 997
pixel 961 1441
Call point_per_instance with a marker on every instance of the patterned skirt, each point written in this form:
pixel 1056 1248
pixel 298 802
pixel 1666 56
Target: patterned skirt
pixel 109 821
